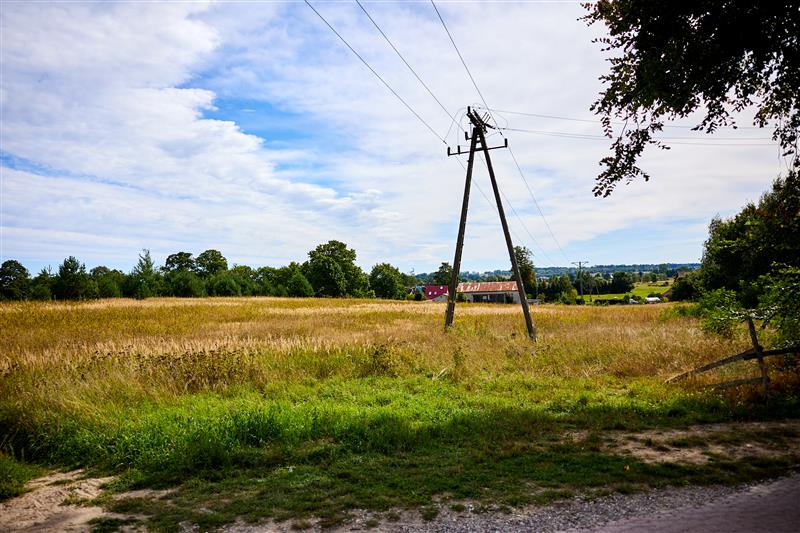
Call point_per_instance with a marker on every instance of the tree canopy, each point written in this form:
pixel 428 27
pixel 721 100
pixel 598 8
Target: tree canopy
pixel 741 249
pixel 332 270
pixel 14 281
pixel 387 281
pixel 670 59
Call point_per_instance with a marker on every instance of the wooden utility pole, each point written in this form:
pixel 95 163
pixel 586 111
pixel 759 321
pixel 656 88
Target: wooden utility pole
pixel 479 127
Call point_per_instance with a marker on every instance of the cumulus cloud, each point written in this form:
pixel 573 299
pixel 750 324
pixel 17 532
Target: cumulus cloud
pixel 109 106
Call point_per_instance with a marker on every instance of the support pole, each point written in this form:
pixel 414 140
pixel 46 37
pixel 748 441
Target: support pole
pixel 760 357
pixel 451 294
pixel 478 131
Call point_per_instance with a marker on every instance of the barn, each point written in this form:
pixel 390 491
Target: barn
pixel 490 292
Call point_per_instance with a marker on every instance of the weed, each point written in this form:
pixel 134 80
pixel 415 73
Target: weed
pixel 429 512
pixel 105 524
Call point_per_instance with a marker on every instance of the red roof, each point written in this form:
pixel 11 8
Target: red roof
pixel 434 291
pixel 488 286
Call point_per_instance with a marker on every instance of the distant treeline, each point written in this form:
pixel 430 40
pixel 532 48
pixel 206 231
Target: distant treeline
pixel 329 271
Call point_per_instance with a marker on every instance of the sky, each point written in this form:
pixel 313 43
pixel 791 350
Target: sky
pixel 250 128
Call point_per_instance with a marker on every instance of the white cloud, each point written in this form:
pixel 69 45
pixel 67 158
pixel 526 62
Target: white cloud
pixel 111 98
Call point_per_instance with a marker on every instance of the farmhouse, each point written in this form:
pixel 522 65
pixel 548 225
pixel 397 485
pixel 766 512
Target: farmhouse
pixel 435 293
pixel 490 292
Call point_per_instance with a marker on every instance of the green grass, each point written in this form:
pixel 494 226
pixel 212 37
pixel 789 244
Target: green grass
pixel 14 475
pixel 320 449
pixel 643 290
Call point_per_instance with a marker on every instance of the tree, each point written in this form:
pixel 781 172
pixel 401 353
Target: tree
pixel 621 282
pixel 332 271
pixel 443 275
pixel 326 276
pixel 387 281
pixel 143 281
pixel 184 283
pixel 210 262
pixel 14 281
pixel 299 286
pixel 223 283
pixel 109 282
pixel 246 279
pixel 526 269
pixel 72 282
pixel 41 287
pixel 687 287
pixel 741 249
pixel 670 59
pixel 180 261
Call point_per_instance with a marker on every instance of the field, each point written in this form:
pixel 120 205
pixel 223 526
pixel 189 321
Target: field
pixel 642 290
pixel 303 409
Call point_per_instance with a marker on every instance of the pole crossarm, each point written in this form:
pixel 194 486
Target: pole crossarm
pixel 479 127
pixel 459 151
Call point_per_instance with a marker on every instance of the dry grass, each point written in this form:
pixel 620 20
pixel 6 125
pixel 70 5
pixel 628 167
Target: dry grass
pixel 169 346
pixel 83 358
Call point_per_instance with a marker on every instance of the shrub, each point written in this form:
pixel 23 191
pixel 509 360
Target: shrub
pixel 298 285
pixel 223 284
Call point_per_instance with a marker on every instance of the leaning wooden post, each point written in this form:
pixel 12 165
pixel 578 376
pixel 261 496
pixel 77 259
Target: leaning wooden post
pixel 760 356
pixel 451 289
pixel 523 297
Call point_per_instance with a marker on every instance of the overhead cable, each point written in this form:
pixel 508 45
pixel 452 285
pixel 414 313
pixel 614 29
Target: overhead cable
pixel 414 72
pixel 375 73
pixel 594 121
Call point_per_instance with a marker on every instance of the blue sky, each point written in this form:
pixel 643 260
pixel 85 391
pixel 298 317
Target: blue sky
pixel 250 128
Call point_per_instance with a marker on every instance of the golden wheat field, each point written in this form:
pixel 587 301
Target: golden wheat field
pixel 171 346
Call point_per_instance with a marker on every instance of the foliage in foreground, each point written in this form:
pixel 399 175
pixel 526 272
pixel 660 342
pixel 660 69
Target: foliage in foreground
pixel 671 59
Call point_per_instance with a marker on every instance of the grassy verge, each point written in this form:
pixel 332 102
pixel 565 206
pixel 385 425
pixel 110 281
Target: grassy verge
pixel 283 409
pixel 14 475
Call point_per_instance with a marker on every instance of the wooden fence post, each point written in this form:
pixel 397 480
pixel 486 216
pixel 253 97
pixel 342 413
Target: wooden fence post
pixel 760 356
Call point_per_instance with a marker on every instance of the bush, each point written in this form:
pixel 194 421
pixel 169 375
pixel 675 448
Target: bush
pixel 721 312
pixel 299 286
pixel 780 304
pixel 184 283
pixel 223 284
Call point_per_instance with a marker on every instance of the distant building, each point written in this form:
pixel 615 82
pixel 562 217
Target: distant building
pixel 490 292
pixel 435 293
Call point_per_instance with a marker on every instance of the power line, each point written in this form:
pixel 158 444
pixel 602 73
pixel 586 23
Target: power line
pixel 414 72
pixel 398 96
pixel 462 60
pixel 522 223
pixel 596 121
pixel 672 140
pixel 375 73
pixel 488 109
pixel 452 117
pixel 536 203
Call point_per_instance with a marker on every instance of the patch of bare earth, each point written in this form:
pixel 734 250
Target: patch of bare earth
pixel 53 504
pixel 699 444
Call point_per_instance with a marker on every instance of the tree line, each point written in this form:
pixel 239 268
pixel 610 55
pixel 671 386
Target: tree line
pixel 329 271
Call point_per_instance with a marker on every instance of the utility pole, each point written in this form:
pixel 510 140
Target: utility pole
pixel 479 127
pixel 580 277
